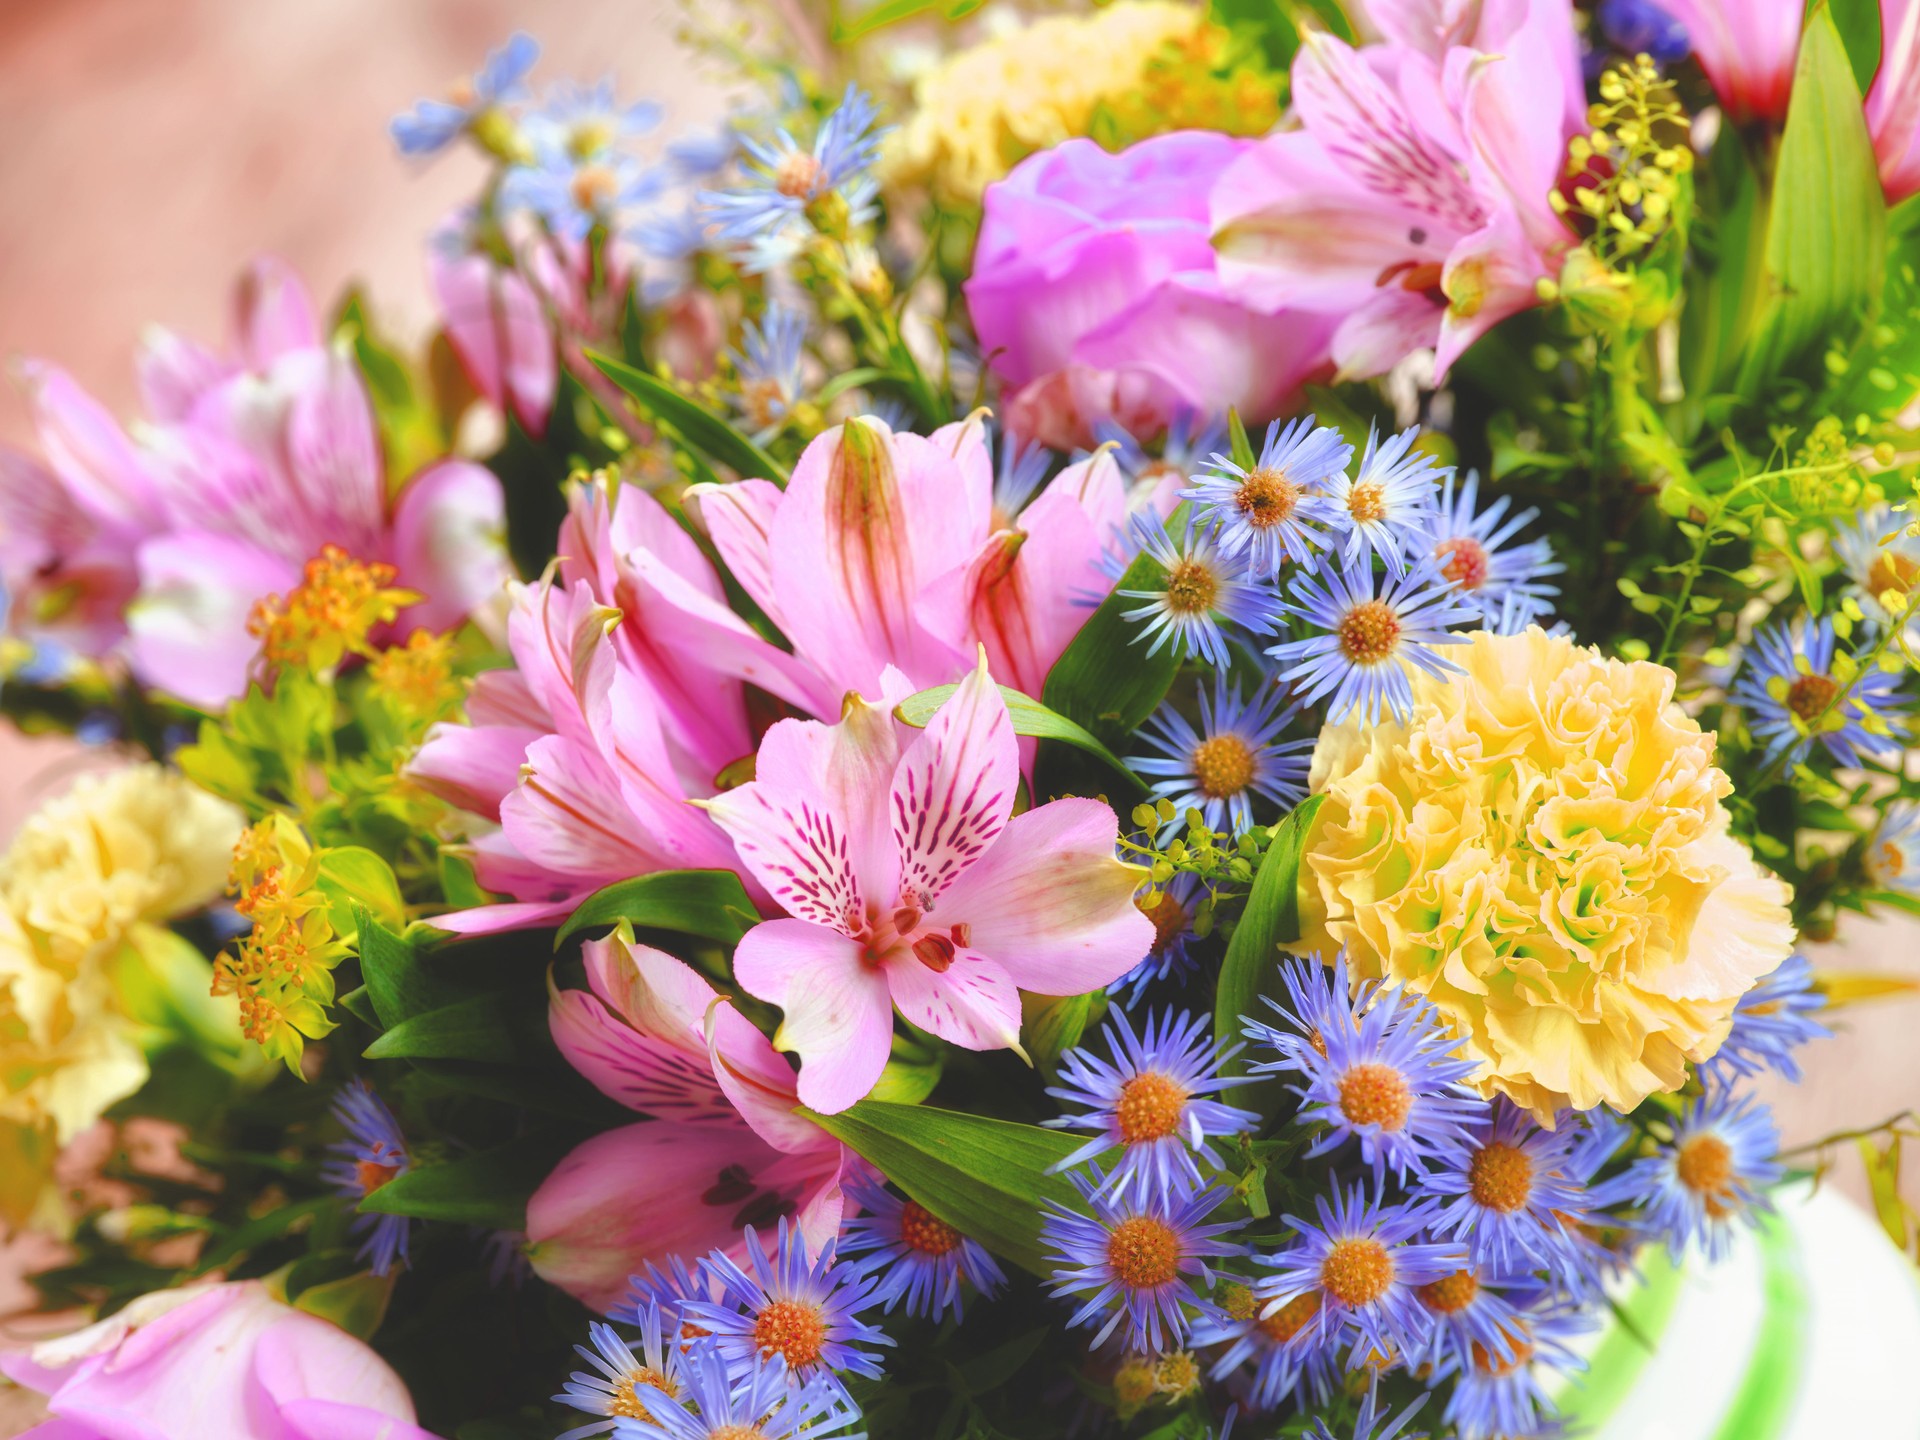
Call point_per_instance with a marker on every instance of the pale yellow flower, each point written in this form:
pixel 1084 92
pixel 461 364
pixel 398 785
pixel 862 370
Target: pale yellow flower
pixel 1541 851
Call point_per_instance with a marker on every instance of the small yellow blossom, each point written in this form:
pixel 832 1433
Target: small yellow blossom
pixel 329 615
pixel 417 679
pixel 1542 852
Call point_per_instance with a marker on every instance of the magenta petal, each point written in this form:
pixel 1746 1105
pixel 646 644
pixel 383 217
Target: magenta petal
pixel 338 1420
pixel 849 766
pixel 497 327
pixel 273 314
pixel 740 518
pixel 174 372
pixel 86 448
pixel 953 790
pixel 566 816
pixel 838 1016
pixel 760 1083
pixel 472 767
pixel 448 543
pixel 331 452
pixel 796 847
pixel 303 1359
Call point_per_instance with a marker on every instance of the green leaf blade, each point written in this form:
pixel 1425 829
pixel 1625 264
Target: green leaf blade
pixel 710 904
pixel 698 427
pixel 1029 718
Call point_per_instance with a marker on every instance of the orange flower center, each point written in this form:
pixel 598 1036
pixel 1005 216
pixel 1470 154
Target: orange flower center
pixel 1367 502
pixel 1497 1366
pixel 1464 562
pixel 1500 1178
pixel 1291 1318
pixel 1368 632
pixel 790 1329
pixel 1705 1166
pixel 1144 1252
pixel 1267 497
pixel 594 187
pixel 736 1432
pixel 1149 1108
pixel 1810 695
pixel 625 1402
pixel 1356 1272
pixel 371 1175
pixel 1169 918
pixel 798 176
pixel 1191 588
pixel 1891 572
pixel 922 1230
pixel 1375 1095
pixel 1223 764
pixel 1450 1294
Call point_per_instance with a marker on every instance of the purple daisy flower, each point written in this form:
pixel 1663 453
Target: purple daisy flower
pixel 373 1153
pixel 1501 581
pixel 621 1384
pixel 1172 911
pixel 1190 438
pixel 720 1401
pixel 1234 755
pixel 432 125
pixel 1386 509
pixel 1204 591
pixel 1149 1101
pixel 917 1257
pixel 1788 690
pixel 1510 1195
pixel 1892 858
pixel 785 179
pixel 1283 1354
pixel 1712 1179
pixel 1371 1416
pixel 1279 510
pixel 1501 1393
pixel 1135 1260
pixel 1772 1020
pixel 669 1290
pixel 1471 1315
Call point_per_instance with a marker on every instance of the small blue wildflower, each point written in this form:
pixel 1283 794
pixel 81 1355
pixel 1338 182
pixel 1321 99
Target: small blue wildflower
pixel 573 194
pixel 1789 691
pixel 769 365
pixel 667 1290
pixel 1892 858
pixel 1019 471
pixel 1712 1179
pixel 806 1311
pixel 1283 1355
pixel 1383 1073
pixel 702 154
pixel 1204 591
pixel 1172 911
pixel 1374 641
pixel 1640 27
pixel 1135 1260
pixel 1509 1197
pixel 1498 1394
pixel 1235 755
pixel 1387 507
pixel 373 1153
pixel 1365 1261
pixel 1471 1314
pixel 1878 552
pixel 1149 1102
pixel 1370 1416
pixel 432 125
pixel 1190 438
pixel 762 1398
pixel 621 1383
pixel 1280 509
pixel 785 180
pixel 1772 1020
pixel 669 234
pixel 918 1257
pixel 1500 580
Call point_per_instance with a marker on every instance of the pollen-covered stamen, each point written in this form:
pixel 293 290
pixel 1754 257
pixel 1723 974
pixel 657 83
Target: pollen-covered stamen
pixel 1463 561
pixel 1144 1252
pixel 1267 497
pixel 1367 502
pixel 1500 1177
pixel 1705 1166
pixel 1451 1294
pixel 936 952
pixel 798 175
pixel 1810 695
pixel 736 1432
pixel 1356 1272
pixel 1890 571
pixel 922 1230
pixel 1375 1095
pixel 1291 1318
pixel 1224 766
pixel 625 1402
pixel 1192 588
pixel 765 401
pixel 1169 918
pixel 594 188
pixel 1488 1363
pixel 1369 632
pixel 791 1329
pixel 371 1175
pixel 1150 1107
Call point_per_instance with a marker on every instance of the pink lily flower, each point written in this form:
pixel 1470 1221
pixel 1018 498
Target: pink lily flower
pixel 213 1359
pixel 724 1148
pixel 496 325
pixel 252 462
pixel 1893 102
pixel 908 882
pixel 1412 200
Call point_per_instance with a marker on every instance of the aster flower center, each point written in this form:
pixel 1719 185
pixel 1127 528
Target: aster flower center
pixel 1891 572
pixel 1237 1301
pixel 1223 764
pixel 1888 859
pixel 1810 695
pixel 1451 1294
pixel 795 1331
pixel 1169 918
pixel 922 1230
pixel 1291 1318
pixel 1149 1108
pixel 1177 1375
pixel 1192 588
pixel 1356 1272
pixel 588 138
pixel 1369 632
pixel 625 1402
pixel 736 1432
pixel 1500 1177
pixel 765 401
pixel 1375 1095
pixel 371 1175
pixel 1705 1166
pixel 1267 497
pixel 798 175
pixel 1463 561
pixel 1144 1252
pixel 1367 502
pixel 1499 1366
pixel 594 188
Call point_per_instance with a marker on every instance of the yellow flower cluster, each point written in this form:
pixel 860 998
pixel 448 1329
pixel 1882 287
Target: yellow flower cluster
pixel 417 679
pixel 1130 70
pixel 1627 172
pixel 1542 852
pixel 338 603
pixel 115 852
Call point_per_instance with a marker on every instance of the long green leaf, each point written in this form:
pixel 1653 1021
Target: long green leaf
pixel 1104 681
pixel 1272 919
pixel 711 904
pixel 1029 717
pixel 987 1178
pixel 490 1188
pixel 698 426
pixel 397 982
pixel 477 1028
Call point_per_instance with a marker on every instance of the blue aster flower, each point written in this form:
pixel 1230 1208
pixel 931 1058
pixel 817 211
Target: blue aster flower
pixel 1203 592
pixel 785 179
pixel 1499 1394
pixel 721 1401
pixel 1371 1416
pixel 1135 1259
pixel 589 121
pixel 1878 553
pixel 1772 1020
pixel 1374 640
pixel 1502 581
pixel 1020 469
pixel 1712 1179
pixel 1172 911
pixel 917 1257
pixel 1190 438
pixel 1279 510
pixel 1282 1355
pixel 1364 1263
pixel 1234 755
pixel 769 365
pixel 573 193
pixel 1382 1072
pixel 1893 857
pixel 668 1290
pixel 1149 1102
pixel 621 1384
pixel 1640 27
pixel 373 1153
pixel 1788 689
pixel 806 1311
pixel 1387 507
pixel 432 125
pixel 1509 1195
pixel 1472 1314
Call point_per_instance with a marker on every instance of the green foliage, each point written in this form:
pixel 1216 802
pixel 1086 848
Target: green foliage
pixel 711 904
pixel 490 1189
pixel 695 425
pixel 1029 718
pixel 1104 681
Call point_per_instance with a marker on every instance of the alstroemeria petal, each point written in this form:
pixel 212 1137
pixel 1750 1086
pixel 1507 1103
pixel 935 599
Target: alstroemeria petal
pixel 838 1015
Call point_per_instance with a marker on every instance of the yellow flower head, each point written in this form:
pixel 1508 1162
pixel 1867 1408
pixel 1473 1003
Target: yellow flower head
pixel 417 678
pixel 1541 851
pixel 329 615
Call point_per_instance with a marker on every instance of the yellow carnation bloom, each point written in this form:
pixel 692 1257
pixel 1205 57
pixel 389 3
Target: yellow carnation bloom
pixel 1541 851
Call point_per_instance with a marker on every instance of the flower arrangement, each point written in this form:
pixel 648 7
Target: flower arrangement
pixel 1129 737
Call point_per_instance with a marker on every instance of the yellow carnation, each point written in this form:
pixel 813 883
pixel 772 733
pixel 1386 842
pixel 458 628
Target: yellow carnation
pixel 1542 852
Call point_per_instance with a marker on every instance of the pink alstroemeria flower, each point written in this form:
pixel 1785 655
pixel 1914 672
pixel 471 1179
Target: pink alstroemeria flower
pixel 723 1150
pixel 249 465
pixel 496 324
pixel 1412 199
pixel 208 1360
pixel 908 882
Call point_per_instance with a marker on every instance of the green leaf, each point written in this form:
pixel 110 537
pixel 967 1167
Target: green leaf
pixel 1029 717
pixel 892 12
pixel 1826 244
pixel 712 904
pixel 1051 1025
pixel 1272 919
pixel 1241 448
pixel 477 1028
pixel 987 1178
pixel 692 422
pixel 353 878
pixel 490 1188
pixel 1103 681
pixel 1858 25
pixel 399 985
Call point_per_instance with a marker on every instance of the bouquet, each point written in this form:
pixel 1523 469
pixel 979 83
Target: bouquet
pixel 1109 723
